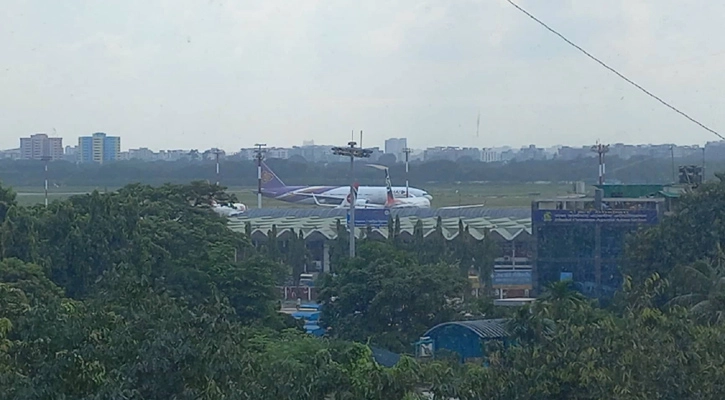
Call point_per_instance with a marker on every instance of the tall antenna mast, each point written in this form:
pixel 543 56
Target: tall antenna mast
pixel 478 122
pixel 601 149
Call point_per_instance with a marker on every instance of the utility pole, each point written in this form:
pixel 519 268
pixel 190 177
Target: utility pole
pixel 352 152
pixel 259 156
pixel 217 152
pixel 601 149
pixel 703 164
pixel 407 151
pixel 45 160
pixel 672 153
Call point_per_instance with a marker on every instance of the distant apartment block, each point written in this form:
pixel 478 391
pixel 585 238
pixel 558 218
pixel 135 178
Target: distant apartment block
pixel 530 153
pixel 211 154
pixel 10 154
pixel 491 155
pixel 315 153
pixel 572 153
pixel 278 152
pixel 99 148
pixel 396 147
pixel 272 152
pixel 71 153
pixel 452 153
pixel 38 146
pixel 143 154
pixel 173 155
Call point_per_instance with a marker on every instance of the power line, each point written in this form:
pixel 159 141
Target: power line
pixel 616 72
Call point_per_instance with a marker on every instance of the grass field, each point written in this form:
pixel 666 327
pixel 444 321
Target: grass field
pixel 492 195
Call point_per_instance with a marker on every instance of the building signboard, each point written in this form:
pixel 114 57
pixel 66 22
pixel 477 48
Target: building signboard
pixel 591 216
pixel 512 279
pixel 375 218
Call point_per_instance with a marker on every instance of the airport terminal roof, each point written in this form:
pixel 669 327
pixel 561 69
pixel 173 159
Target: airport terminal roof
pixel 484 328
pixel 320 223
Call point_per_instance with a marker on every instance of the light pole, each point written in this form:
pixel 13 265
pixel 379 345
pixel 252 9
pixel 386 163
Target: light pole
pixel 45 160
pixel 217 152
pixel 407 155
pixel 672 153
pixel 352 152
pixel 259 156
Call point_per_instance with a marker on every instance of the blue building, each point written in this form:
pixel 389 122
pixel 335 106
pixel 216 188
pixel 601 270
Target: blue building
pixel 467 339
pixel 85 149
pixel 99 148
pixel 583 239
pixel 310 314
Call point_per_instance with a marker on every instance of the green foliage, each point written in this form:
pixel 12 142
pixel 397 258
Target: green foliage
pixel 145 293
pixel 297 171
pixel 387 297
pixel 694 232
pixel 7 201
pixel 18 238
pixel 297 256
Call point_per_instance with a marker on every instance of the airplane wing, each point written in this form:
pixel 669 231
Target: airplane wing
pixel 462 207
pixel 322 196
pixel 314 197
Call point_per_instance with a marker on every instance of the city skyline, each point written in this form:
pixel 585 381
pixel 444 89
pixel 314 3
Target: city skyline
pixel 397 149
pixel 102 148
pixel 229 74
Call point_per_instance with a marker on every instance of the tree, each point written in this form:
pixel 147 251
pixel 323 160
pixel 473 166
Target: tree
pixel 387 159
pixel 387 297
pixel 251 287
pixel 681 238
pixel 297 255
pixel 18 238
pixel 705 280
pixel 8 199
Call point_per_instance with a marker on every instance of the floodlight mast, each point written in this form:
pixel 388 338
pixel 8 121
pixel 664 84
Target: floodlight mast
pixel 407 151
pixel 259 156
pixel 352 152
pixel 217 152
pixel 45 160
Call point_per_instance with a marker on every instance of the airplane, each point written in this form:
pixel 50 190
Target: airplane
pixel 390 201
pixel 228 210
pixel 273 187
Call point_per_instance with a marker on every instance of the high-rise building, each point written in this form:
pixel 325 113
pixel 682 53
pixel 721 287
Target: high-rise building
pixel 99 148
pixel 396 146
pixel 39 145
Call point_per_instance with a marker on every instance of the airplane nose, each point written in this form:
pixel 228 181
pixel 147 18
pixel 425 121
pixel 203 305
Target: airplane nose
pixel 427 196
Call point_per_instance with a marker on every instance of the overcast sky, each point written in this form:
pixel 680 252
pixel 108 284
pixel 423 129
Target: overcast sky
pixel 229 73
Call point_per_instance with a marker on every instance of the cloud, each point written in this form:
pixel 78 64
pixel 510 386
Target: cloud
pixel 189 72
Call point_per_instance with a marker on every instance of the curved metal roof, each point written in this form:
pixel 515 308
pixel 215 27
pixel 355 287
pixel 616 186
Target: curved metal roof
pixel 476 212
pixel 484 328
pixel 320 224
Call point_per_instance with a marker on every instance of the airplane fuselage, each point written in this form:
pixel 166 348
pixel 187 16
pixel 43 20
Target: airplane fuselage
pixel 303 194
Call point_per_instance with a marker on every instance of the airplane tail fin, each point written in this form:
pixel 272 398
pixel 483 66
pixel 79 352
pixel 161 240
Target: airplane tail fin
pixel 389 187
pixel 352 197
pixel 270 180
